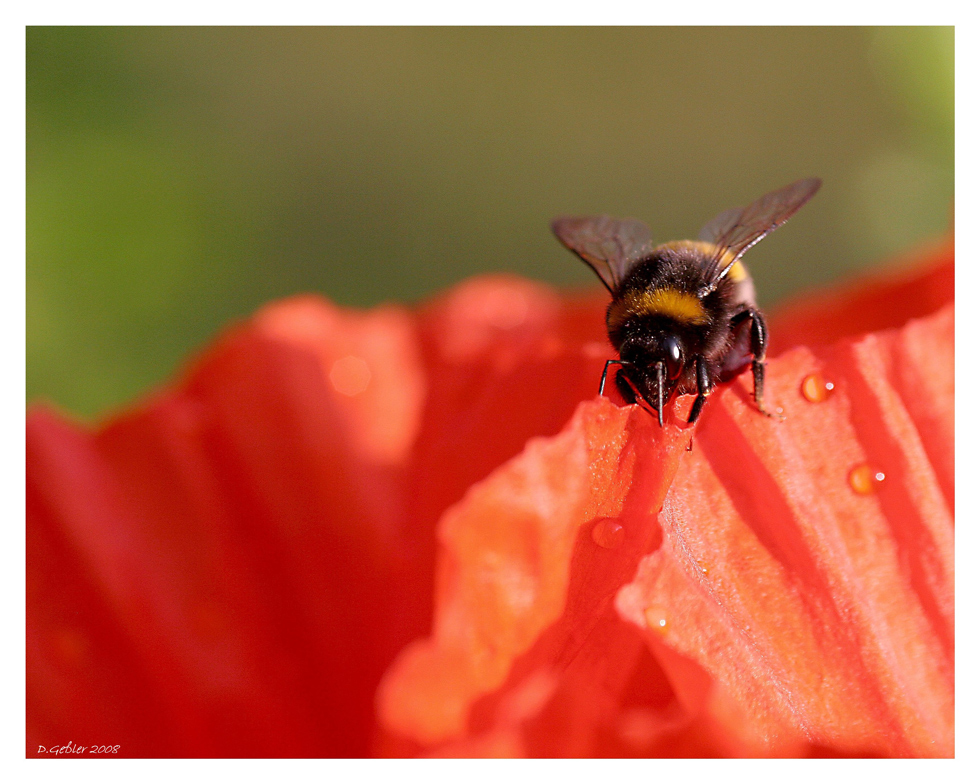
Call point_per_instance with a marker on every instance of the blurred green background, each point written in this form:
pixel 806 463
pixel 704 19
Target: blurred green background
pixel 178 178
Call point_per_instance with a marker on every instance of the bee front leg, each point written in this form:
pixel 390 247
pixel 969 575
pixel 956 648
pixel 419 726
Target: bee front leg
pixel 704 387
pixel 759 341
pixel 605 370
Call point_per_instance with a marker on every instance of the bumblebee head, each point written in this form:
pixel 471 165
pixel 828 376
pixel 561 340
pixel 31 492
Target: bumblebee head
pixel 646 350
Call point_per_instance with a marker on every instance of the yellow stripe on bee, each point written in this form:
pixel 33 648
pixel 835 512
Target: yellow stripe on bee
pixel 706 248
pixel 678 305
pixel 736 274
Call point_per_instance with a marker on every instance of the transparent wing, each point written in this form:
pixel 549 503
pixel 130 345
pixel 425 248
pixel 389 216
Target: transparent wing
pixel 610 246
pixel 738 229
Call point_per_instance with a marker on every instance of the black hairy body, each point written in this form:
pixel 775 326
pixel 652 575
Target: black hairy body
pixel 683 315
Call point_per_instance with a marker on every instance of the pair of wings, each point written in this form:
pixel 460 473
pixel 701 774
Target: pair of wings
pixel 613 247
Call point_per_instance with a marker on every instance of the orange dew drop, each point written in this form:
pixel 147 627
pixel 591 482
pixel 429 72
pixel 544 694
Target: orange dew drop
pixel 638 726
pixel 656 618
pixel 504 308
pixel 865 480
pixel 816 388
pixel 350 376
pixel 551 347
pixel 595 349
pixel 608 533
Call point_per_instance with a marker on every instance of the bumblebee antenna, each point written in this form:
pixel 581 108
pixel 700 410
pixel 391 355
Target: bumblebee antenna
pixel 660 393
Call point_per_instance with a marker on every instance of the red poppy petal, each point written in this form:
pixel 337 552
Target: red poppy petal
pixel 506 359
pixel 193 565
pixel 820 613
pixel 523 582
pixel 922 284
pixel 228 569
pixel 785 613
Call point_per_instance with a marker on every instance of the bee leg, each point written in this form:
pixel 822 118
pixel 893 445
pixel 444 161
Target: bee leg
pixel 759 340
pixel 704 387
pixel 605 370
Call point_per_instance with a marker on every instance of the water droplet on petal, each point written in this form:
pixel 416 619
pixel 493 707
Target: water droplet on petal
pixel 504 308
pixel 595 349
pixel 864 479
pixel 551 347
pixel 816 388
pixel 608 533
pixel 656 618
pixel 638 726
pixel 350 376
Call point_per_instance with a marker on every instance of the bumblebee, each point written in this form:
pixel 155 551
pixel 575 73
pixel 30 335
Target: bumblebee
pixel 683 316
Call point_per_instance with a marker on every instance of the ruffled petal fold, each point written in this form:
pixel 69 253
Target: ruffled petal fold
pixel 784 588
pixel 224 570
pixel 420 533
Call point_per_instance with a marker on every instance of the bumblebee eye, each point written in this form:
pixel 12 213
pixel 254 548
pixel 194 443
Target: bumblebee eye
pixel 673 357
